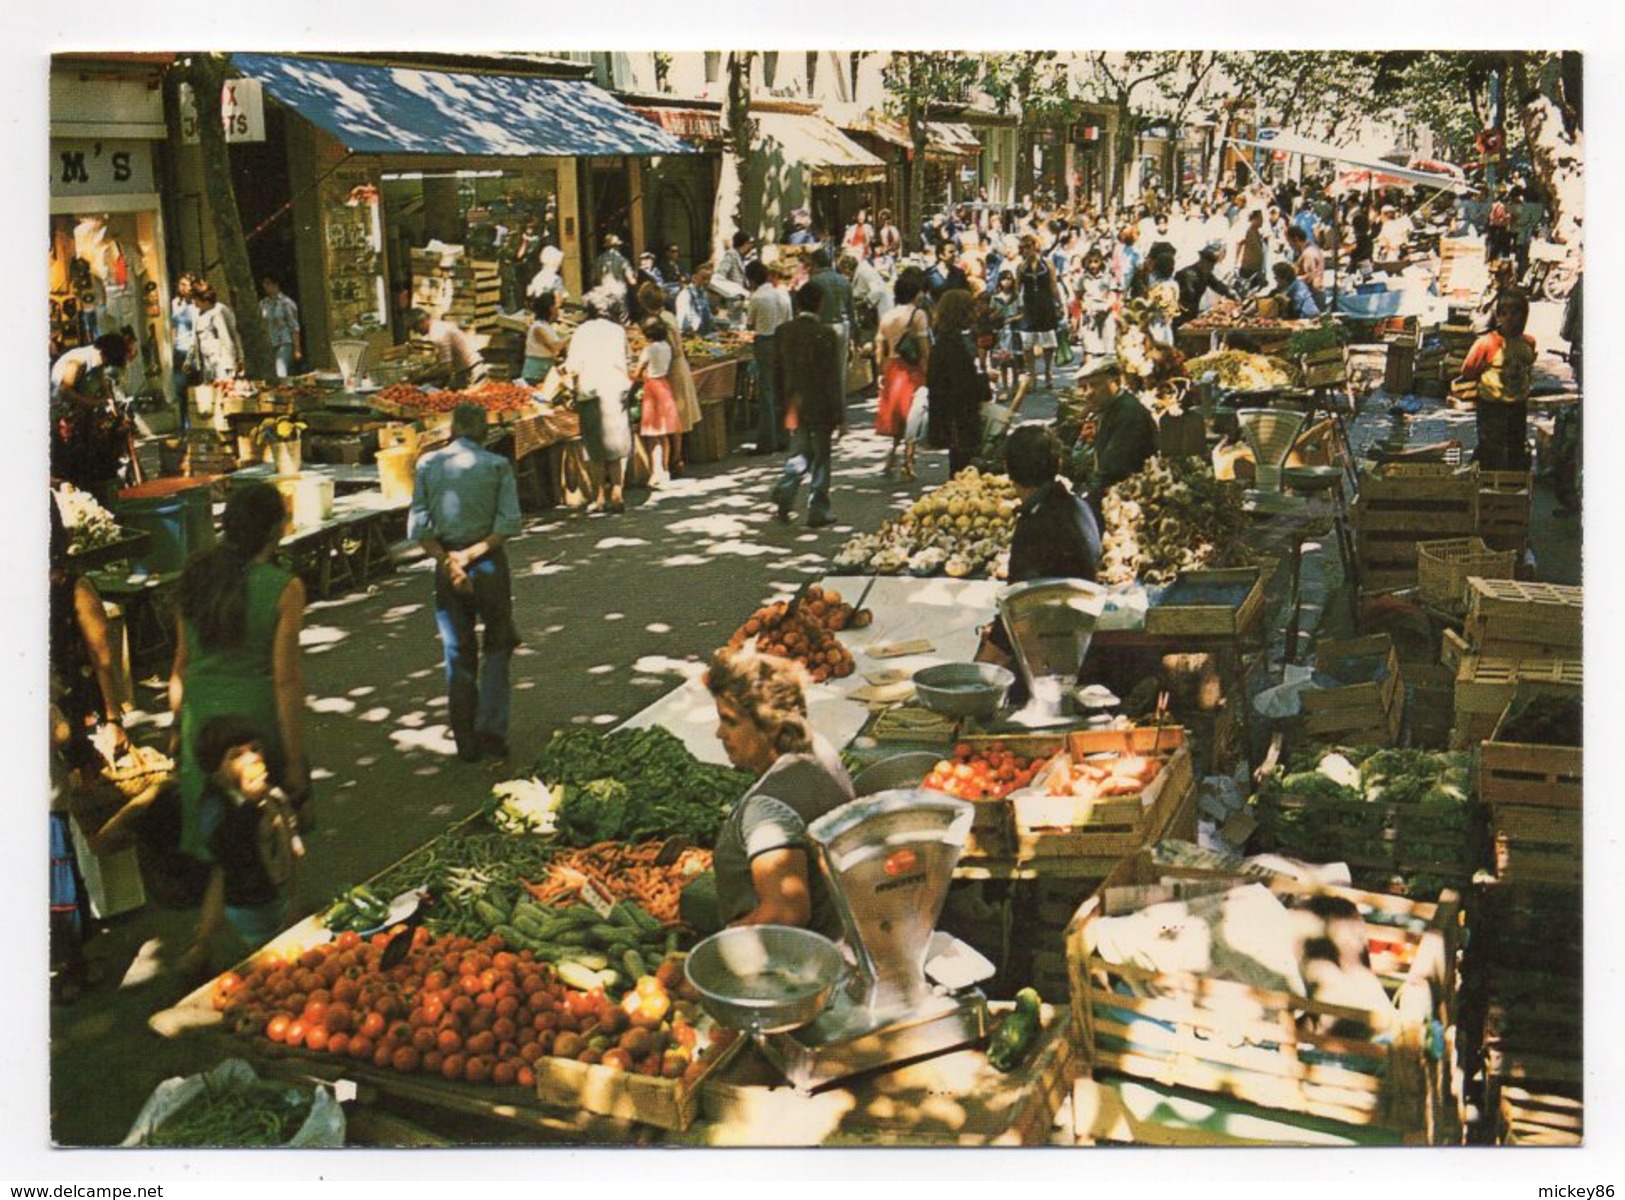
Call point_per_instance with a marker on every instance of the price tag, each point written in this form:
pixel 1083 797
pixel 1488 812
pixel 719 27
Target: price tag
pixel 899 649
pixel 885 675
pixel 596 900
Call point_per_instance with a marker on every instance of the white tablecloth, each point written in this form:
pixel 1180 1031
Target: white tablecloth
pixel 946 612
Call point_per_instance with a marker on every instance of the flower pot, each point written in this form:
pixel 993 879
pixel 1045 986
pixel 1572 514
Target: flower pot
pixel 287 457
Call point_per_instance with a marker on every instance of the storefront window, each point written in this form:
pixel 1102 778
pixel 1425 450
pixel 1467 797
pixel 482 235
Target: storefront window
pixel 105 278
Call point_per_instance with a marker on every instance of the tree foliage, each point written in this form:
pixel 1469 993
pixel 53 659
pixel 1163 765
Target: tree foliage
pixel 915 80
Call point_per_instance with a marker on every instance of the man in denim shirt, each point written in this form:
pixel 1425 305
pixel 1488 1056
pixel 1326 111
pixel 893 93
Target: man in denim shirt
pixel 465 505
pixel 281 316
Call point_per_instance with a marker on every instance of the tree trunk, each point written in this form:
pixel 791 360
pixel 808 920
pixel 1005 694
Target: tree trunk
pixel 1125 141
pixel 1558 154
pixel 916 178
pixel 207 73
pixel 737 129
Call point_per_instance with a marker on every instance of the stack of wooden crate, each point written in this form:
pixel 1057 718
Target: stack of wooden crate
pixel 448 284
pixel 1401 504
pixel 1457 340
pixel 1522 1030
pixel 1533 792
pixel 1504 499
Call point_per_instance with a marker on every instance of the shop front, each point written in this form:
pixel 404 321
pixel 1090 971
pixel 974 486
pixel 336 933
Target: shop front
pixel 106 265
pixel 395 164
pixel 802 160
pixel 673 197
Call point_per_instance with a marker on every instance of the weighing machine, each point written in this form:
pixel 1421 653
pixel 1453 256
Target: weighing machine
pixel 908 992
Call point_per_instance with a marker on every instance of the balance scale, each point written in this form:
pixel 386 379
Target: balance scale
pixel 350 354
pixel 1271 434
pixel 888 859
pixel 1051 623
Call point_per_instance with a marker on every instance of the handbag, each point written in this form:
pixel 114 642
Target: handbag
pixel 918 425
pixel 908 346
pixel 634 404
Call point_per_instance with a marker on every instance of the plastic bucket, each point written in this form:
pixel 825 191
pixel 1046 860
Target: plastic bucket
pixel 178 522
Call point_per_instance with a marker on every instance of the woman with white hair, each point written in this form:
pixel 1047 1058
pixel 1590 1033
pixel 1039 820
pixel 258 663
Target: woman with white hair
pixel 548 278
pixel 597 360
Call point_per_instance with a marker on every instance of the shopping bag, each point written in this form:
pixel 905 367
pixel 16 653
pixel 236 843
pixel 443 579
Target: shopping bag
pixel 1063 346
pixel 919 416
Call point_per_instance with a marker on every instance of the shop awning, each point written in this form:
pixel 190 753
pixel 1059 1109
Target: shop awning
pixel 893 133
pixel 375 109
pixel 1292 143
pixel 952 137
pixel 814 142
pixel 695 124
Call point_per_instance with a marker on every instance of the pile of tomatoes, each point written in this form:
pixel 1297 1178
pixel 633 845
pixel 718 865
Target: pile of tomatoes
pixel 808 634
pixel 990 774
pixel 464 1010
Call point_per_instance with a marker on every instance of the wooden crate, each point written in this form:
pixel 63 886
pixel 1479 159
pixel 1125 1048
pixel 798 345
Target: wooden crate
pixel 708 441
pixel 1368 713
pixel 1401 504
pixel 1429 705
pixel 1236 1040
pixel 1108 1109
pixel 1531 1057
pixel 1486 685
pixel 1443 568
pixel 1509 618
pixel 1211 620
pixel 1534 794
pixel 625 1095
pixel 1061 827
pixel 1504 503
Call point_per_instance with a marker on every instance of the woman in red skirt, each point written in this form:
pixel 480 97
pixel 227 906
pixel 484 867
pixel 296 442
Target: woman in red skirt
pixel 660 424
pixel 902 352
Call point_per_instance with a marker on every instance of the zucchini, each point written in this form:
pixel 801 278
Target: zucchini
pixel 1017 1033
pixel 573 974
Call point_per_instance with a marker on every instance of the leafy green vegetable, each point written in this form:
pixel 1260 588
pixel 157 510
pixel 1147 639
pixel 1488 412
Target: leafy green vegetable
pixel 634 785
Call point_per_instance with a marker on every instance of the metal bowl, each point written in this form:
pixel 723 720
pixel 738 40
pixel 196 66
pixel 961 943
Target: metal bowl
pixel 964 689
pixel 1311 479
pixel 765 978
pixel 904 770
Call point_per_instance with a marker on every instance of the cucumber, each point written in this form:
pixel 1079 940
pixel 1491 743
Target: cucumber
pixel 605 932
pixel 643 917
pixel 580 915
pixel 514 937
pixel 532 925
pixel 623 916
pixel 551 951
pixel 491 914
pixel 573 937
pixel 573 974
pixel 1016 1033
pixel 634 964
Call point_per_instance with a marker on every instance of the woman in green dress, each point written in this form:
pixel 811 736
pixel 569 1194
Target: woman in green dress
pixel 237 650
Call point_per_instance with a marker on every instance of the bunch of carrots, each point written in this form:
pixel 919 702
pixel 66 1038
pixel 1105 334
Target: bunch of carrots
pixel 622 872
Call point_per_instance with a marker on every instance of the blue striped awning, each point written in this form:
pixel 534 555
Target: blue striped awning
pixel 374 109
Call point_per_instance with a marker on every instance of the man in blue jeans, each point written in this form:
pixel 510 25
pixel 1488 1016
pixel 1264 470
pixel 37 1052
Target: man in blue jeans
pixel 804 379
pixel 465 505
